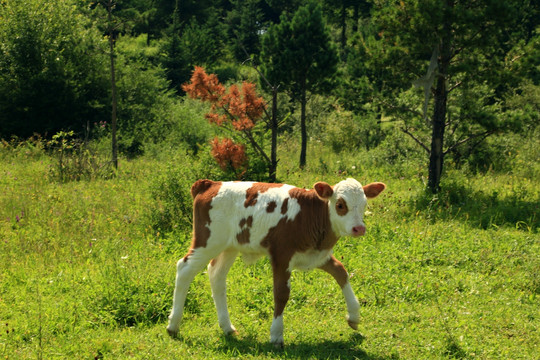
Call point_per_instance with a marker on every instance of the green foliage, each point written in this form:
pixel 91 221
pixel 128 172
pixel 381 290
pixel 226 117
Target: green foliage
pixel 76 160
pixel 245 23
pixel 171 190
pixel 144 105
pixel 514 203
pixel 126 292
pixel 298 54
pixel 51 69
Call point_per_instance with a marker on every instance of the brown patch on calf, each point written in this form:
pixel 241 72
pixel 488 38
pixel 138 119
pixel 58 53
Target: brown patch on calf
pixel 200 186
pixel 242 223
pixel 245 224
pixel 243 236
pixel 323 190
pixel 257 188
pixel 341 207
pixel 284 206
pixel 204 192
pixel 271 206
pixel 310 229
pixel 335 268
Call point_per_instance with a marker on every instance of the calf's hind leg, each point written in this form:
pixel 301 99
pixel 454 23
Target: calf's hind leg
pixel 217 272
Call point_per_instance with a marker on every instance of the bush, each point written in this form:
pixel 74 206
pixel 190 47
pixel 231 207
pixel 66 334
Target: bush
pixel 171 190
pixel 144 105
pixel 128 291
pixel 76 160
pixel 52 72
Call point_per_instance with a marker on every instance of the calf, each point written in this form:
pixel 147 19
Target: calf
pixel 296 228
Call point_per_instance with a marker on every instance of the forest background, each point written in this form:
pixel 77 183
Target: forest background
pixel 110 110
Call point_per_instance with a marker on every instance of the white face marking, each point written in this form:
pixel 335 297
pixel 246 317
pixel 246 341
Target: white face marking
pixel 352 193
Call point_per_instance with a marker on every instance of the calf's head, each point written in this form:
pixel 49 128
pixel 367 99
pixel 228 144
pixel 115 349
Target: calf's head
pixel 347 202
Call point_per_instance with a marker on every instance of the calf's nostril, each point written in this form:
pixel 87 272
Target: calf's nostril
pixel 359 230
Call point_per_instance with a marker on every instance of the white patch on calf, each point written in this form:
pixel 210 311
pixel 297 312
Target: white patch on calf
pixel 276 331
pixel 309 260
pixel 228 212
pixel 353 306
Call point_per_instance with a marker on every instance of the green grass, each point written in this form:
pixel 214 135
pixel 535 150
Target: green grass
pixel 85 274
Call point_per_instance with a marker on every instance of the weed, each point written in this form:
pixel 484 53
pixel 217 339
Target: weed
pixel 76 160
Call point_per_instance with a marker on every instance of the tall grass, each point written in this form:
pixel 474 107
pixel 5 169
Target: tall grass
pixel 86 270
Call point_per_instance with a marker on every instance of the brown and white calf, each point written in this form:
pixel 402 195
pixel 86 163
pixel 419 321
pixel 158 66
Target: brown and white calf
pixel 296 228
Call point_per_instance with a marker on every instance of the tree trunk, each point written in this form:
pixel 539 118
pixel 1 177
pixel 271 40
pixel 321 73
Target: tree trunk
pixel 439 114
pixel 343 26
pixel 303 128
pixel 437 136
pixel 113 86
pixel 356 15
pixel 274 130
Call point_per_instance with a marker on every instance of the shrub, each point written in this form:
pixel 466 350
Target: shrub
pixel 76 160
pixel 171 190
pixel 229 156
pixel 52 71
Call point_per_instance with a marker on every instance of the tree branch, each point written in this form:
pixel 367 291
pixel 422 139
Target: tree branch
pixel 407 109
pixel 256 146
pixel 406 131
pixel 483 135
pixel 456 85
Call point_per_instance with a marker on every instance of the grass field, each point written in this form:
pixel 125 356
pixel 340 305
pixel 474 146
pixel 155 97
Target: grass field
pixel 86 274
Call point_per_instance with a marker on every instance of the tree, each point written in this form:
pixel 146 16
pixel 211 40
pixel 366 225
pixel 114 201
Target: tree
pixel 245 22
pixel 338 13
pixel 236 110
pixel 297 54
pixel 464 43
pixel 111 28
pixel 51 69
pixel 189 43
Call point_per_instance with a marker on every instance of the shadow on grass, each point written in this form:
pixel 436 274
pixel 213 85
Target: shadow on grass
pixel 479 207
pixel 328 349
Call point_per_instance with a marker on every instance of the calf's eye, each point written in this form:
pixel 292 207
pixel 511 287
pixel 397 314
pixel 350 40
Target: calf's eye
pixel 341 207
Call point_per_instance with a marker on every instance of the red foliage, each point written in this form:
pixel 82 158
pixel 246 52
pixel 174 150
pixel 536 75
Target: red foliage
pixel 228 154
pixel 242 107
pixel 203 86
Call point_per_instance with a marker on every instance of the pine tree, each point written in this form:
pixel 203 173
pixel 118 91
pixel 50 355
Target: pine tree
pixel 297 54
pixel 462 45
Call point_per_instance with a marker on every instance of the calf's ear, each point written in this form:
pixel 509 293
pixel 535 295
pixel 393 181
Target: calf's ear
pixel 374 189
pixel 323 190
pixel 200 186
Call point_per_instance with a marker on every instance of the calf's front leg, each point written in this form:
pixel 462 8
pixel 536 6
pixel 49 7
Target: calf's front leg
pixel 281 297
pixel 335 268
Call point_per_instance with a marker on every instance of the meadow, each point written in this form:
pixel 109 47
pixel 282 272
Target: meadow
pixel 87 267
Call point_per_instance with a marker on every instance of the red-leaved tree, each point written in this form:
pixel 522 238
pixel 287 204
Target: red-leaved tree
pixel 229 155
pixel 237 109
